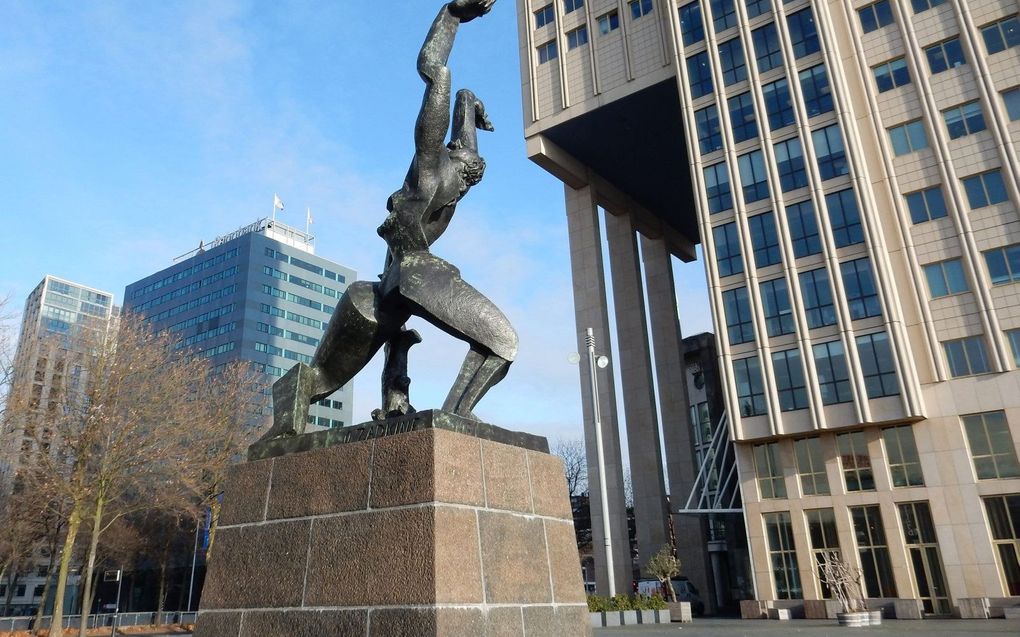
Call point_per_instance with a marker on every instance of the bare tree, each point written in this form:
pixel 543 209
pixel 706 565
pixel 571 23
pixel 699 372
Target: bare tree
pixel 575 464
pixel 117 427
pixel 843 580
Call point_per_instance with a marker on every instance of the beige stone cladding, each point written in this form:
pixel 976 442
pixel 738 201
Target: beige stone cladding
pixel 422 533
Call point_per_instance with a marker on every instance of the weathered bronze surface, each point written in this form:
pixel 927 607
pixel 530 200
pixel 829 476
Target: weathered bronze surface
pixel 414 282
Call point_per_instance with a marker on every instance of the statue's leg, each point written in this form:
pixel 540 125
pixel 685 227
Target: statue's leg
pixel 468 116
pixel 479 373
pixel 355 333
pixel 395 382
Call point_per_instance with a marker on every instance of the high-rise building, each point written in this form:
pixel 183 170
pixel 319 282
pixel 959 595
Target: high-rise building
pixel 850 170
pixel 258 294
pixel 57 314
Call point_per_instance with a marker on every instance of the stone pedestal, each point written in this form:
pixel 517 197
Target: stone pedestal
pixel 421 533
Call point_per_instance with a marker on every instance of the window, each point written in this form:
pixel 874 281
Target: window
pixel 817 293
pixel 753 177
pixel 855 461
pixel 901 450
pixel 1014 344
pixel 692 27
pixel 709 130
pixel 945 55
pixel 769 471
pixel 757 7
pixel 727 249
pixel 783 555
pixel 38 590
pixel 775 297
pixel 1002 35
pixel 817 92
pixel 991 446
pixel 922 546
pixel 1011 99
pixel 874 551
pixel 909 137
pixel 830 152
pixel 739 322
pixel 924 5
pixel 734 66
pixel 803 226
pixel 790 380
pixel 778 104
pixel 844 217
pixel 859 286
pixel 824 541
pixel 877 365
pixel 569 6
pixel 803 33
pixel 724 14
pixel 965 119
pixel 790 164
pixel 875 16
pixel 639 8
pixel 1003 264
pixel 833 374
pixel 750 389
pixel 767 50
pixel 966 356
pixel 811 466
pixel 945 278
pixel 545 15
pixel 609 22
pixel 742 121
pixel 985 189
pixel 577 37
pixel 699 74
pixel 891 74
pixel 926 205
pixel 717 188
pixel 764 240
pixel 547 52
pixel 1004 521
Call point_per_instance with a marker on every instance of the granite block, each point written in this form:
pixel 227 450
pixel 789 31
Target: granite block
pixel 458 566
pixel 549 486
pixel 559 621
pixel 226 624
pixel 244 496
pixel 514 559
pixel 427 622
pixel 319 482
pixel 304 623
pixel 507 485
pixel 457 469
pixel 504 621
pixel 564 563
pixel 403 469
pixel 257 566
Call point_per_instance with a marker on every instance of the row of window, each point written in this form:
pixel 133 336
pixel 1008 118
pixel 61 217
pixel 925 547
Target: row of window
pixel 296 280
pixel 859 288
pixel 294 298
pixel 187 289
pixel 817 92
pixel 768 54
pixel 272 330
pixel 206 335
pixel 195 320
pixel 877 366
pixel 607 22
pixel 193 303
pixel 285 258
pixel 265 348
pixel 325 422
pixel 946 278
pixel 291 316
pixel 215 351
pixel 186 272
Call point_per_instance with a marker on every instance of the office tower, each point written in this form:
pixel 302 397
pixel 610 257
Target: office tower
pixel 258 294
pixel 850 170
pixel 56 317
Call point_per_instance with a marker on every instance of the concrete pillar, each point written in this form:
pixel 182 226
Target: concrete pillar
pixel 591 310
pixel 651 516
pixel 671 372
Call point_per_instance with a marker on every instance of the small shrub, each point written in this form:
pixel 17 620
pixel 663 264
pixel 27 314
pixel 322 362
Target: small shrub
pixel 623 602
pixel 598 604
pixel 654 602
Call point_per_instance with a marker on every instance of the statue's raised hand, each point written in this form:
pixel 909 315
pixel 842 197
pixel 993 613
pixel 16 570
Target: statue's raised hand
pixel 467 10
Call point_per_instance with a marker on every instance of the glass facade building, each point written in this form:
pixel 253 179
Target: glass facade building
pixel 850 171
pixel 258 294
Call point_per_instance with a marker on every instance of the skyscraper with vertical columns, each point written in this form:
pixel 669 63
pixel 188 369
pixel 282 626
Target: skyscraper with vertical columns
pixel 850 170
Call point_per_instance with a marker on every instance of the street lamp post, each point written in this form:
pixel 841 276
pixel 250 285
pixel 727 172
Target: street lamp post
pixel 600 362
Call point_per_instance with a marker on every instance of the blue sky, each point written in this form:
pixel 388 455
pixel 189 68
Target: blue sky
pixel 132 130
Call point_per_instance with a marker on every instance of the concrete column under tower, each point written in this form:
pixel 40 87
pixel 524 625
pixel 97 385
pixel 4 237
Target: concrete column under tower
pixel 674 402
pixel 591 310
pixel 651 516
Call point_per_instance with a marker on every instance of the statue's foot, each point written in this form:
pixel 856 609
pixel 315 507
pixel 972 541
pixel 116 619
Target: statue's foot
pixel 482 118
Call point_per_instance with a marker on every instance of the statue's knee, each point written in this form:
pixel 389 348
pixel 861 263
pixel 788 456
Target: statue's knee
pixel 466 95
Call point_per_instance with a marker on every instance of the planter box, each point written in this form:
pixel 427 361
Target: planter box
pixel 646 617
pixel 752 609
pixel 680 611
pixel 854 620
pixel 628 617
pixel 908 609
pixel 782 614
pixel 875 618
pixel 821 608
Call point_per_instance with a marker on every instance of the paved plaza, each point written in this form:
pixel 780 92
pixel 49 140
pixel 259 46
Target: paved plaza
pixel 815 628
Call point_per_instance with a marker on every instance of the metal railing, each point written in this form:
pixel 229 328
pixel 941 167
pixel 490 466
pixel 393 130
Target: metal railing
pixel 103 620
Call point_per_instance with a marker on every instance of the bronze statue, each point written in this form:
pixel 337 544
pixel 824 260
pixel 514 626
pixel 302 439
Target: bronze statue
pixel 415 282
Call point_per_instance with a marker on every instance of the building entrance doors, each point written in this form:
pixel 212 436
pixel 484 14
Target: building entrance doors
pixel 929 579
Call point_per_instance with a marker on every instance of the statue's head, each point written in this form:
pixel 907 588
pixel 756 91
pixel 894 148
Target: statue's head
pixel 470 165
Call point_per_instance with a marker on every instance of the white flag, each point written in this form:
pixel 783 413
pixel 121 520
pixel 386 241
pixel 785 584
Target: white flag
pixel 309 216
pixel 277 203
